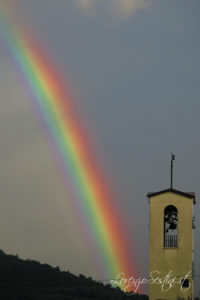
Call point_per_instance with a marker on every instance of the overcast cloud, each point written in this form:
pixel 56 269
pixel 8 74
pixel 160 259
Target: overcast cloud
pixel 118 8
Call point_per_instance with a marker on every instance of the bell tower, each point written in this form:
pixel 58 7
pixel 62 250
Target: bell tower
pixel 171 226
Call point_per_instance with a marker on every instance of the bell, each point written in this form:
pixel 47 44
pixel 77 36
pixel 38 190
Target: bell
pixel 170 219
pixel 172 226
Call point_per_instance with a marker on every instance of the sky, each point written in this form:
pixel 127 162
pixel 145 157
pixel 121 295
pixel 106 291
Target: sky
pixel 134 69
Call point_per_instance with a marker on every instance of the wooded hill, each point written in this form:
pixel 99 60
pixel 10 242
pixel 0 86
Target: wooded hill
pixel 31 280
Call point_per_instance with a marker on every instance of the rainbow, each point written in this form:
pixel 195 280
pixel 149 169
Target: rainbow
pixel 85 182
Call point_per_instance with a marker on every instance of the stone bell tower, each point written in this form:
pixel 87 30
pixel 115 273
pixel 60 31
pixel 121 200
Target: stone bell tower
pixel 171 243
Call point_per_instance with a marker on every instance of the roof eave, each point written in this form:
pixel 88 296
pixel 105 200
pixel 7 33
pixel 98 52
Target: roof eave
pixel 188 195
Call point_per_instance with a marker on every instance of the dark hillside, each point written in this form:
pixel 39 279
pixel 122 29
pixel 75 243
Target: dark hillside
pixel 31 280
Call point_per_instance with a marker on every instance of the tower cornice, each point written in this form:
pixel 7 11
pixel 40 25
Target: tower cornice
pixel 171 190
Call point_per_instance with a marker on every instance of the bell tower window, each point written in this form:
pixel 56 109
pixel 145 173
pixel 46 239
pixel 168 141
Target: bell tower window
pixel 170 227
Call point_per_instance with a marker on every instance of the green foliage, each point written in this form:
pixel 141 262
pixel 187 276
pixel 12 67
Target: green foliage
pixel 30 280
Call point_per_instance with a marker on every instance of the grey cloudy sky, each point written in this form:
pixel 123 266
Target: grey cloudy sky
pixel 135 70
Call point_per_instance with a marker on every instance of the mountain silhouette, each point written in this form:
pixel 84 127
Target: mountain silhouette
pixel 30 280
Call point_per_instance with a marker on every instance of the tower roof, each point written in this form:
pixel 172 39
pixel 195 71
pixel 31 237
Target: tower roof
pixel 171 190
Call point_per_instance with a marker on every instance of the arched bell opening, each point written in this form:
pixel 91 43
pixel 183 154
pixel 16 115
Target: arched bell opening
pixel 170 227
